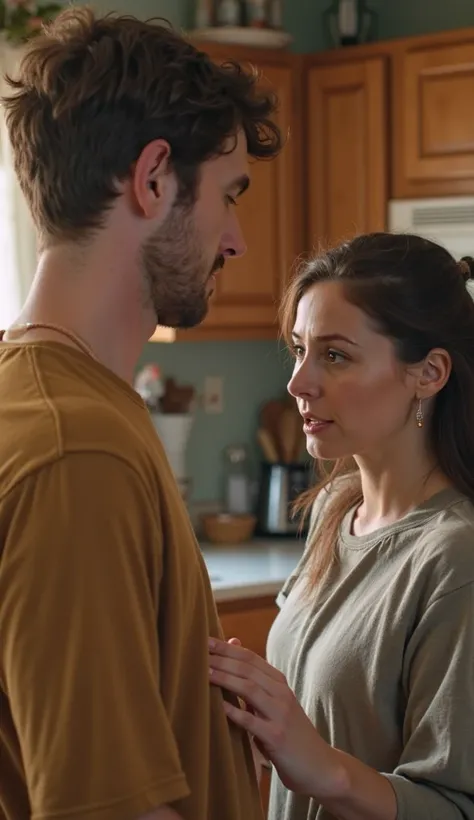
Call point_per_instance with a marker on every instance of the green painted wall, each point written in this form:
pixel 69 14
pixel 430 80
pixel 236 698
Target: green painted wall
pixel 252 373
pixel 176 11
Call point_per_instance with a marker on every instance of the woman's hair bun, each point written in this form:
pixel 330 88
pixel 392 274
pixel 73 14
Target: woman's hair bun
pixel 466 266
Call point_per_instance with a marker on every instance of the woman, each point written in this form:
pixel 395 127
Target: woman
pixel 366 706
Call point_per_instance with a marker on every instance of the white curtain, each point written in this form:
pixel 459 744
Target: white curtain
pixel 17 233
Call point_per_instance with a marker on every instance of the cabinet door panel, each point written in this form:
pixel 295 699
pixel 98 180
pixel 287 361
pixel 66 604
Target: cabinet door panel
pixel 250 625
pixel 249 288
pixel 347 150
pixel 434 114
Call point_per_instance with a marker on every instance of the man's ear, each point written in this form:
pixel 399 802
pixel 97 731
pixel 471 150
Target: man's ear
pixel 153 184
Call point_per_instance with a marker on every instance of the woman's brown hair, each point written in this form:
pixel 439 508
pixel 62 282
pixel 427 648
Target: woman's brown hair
pixel 415 293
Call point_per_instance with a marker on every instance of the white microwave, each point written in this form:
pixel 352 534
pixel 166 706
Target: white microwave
pixel 446 220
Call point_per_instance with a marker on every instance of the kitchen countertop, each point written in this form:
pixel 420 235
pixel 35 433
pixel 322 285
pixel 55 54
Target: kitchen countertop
pixel 252 569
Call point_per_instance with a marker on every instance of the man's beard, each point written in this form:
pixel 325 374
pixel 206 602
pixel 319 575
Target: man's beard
pixel 176 273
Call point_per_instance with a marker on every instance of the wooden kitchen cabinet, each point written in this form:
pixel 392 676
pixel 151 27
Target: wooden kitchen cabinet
pixel 370 123
pixel 391 119
pixel 434 116
pixel 347 149
pixel 249 621
pixel 248 290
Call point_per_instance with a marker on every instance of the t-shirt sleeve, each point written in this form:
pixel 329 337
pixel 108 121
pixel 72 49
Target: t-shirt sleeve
pixel 435 775
pixel 80 654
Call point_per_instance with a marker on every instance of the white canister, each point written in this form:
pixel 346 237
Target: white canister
pixel 174 430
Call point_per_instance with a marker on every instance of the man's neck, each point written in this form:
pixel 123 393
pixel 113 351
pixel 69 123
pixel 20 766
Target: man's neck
pixel 86 299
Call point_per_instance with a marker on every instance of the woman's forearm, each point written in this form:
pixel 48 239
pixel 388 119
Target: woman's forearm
pixel 357 792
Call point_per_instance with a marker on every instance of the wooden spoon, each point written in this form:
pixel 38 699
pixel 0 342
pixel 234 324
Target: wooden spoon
pixel 270 414
pixel 267 444
pixel 287 435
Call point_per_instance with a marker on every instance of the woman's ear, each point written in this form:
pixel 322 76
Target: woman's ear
pixel 434 373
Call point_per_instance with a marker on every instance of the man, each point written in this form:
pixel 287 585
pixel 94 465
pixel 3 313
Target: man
pixel 131 148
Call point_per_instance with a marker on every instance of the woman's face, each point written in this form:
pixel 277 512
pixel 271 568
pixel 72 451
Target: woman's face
pixel 354 395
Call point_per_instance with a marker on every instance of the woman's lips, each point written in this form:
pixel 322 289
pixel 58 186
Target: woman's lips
pixel 312 427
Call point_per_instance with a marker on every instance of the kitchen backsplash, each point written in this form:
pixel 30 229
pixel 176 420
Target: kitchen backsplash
pixel 252 372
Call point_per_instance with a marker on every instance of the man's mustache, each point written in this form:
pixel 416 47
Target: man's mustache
pixel 218 264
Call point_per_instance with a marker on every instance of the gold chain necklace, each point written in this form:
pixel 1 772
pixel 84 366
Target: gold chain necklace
pixel 19 330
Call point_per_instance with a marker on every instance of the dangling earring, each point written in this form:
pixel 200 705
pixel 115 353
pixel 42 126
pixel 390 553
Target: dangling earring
pixel 420 419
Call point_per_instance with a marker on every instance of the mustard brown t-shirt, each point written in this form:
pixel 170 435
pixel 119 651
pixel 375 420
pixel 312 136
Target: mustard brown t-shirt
pixel 106 711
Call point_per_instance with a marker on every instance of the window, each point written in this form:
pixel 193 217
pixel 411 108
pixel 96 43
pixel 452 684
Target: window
pixel 10 296
pixel 17 234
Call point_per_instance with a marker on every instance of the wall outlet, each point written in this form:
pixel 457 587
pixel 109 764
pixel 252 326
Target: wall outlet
pixel 213 396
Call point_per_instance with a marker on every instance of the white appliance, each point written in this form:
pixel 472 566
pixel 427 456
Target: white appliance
pixel 447 220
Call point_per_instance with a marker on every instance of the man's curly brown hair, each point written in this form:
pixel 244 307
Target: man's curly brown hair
pixel 92 92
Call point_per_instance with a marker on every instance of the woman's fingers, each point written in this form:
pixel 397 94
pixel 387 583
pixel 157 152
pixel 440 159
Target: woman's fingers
pixel 254 724
pixel 236 652
pixel 223 669
pixel 255 696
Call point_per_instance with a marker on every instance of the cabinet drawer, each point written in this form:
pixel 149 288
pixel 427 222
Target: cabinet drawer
pixel 250 624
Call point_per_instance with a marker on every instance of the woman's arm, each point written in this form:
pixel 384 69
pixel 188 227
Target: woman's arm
pixel 304 761
pixel 434 777
pixel 361 793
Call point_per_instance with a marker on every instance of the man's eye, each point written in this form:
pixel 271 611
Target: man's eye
pixel 231 200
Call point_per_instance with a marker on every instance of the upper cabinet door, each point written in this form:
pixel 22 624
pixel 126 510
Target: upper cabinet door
pixel 248 290
pixel 434 120
pixel 347 150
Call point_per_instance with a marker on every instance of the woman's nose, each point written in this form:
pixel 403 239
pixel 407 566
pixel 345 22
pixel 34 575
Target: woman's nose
pixel 305 382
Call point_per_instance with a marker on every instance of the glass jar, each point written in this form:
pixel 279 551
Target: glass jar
pixel 237 490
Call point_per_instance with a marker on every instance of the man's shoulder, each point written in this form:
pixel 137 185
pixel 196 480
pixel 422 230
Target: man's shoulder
pixel 44 423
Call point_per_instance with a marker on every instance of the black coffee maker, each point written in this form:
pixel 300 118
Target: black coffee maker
pixel 280 486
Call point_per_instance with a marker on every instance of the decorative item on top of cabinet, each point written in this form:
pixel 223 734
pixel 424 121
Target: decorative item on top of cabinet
pixel 348 22
pixel 256 23
pixel 434 116
pixel 205 14
pixel 347 149
pixel 248 289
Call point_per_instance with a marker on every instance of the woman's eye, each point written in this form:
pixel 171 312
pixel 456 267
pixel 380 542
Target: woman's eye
pixel 231 200
pixel 298 351
pixel 335 357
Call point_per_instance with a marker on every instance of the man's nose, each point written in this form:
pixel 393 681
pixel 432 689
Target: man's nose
pixel 233 242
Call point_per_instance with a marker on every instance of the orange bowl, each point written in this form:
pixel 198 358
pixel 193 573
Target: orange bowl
pixel 224 528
